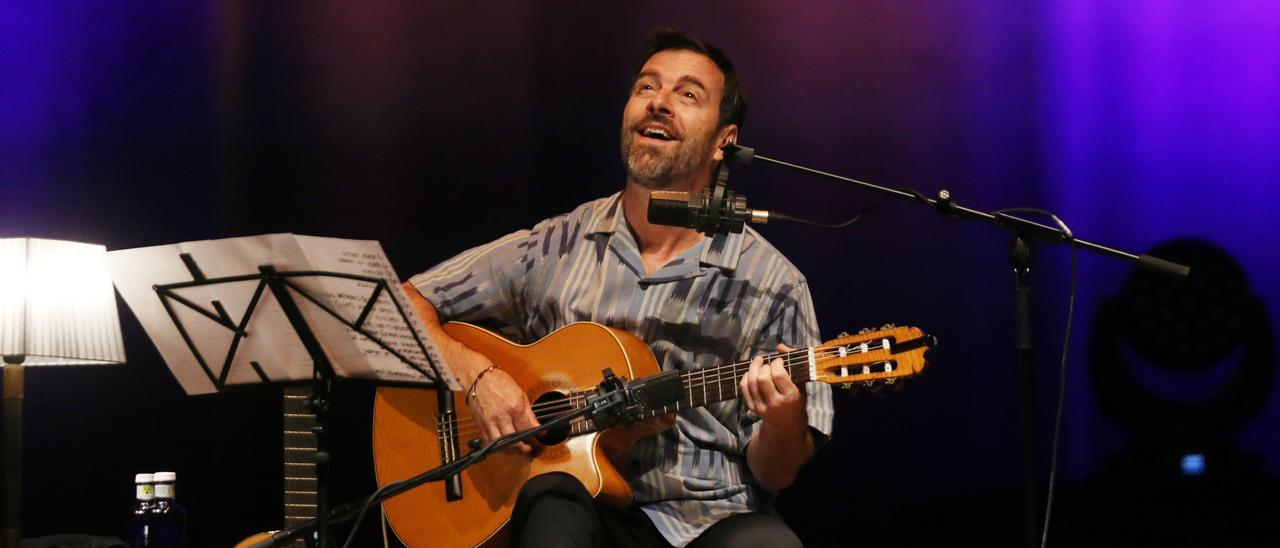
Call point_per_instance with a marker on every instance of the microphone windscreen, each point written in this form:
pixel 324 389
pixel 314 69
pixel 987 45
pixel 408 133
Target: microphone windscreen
pixel 670 208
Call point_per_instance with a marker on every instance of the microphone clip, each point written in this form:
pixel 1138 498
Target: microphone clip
pixel 718 210
pixel 620 402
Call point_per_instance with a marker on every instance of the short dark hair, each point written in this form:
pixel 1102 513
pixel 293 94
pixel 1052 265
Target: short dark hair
pixel 733 107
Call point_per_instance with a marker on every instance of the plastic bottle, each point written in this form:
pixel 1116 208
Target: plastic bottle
pixel 139 529
pixel 168 518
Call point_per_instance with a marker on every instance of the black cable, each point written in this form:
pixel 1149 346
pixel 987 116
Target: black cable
pixel 860 215
pixel 446 470
pixel 355 526
pixel 1062 388
pixel 1062 371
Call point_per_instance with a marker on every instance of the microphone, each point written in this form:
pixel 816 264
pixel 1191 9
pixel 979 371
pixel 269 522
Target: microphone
pixel 713 210
pixel 695 210
pixel 620 402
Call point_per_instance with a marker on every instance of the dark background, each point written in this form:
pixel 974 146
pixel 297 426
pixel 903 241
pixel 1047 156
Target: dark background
pixel 436 126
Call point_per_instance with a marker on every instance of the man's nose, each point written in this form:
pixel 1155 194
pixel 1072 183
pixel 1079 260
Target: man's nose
pixel 660 103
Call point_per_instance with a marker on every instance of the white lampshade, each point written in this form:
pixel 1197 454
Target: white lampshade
pixel 57 304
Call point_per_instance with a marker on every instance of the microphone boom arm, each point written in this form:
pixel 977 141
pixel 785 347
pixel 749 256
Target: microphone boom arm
pixel 946 205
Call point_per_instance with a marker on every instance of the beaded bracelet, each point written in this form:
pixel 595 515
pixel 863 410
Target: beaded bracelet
pixel 472 392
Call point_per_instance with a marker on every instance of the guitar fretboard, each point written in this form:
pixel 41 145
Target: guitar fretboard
pixel 299 470
pixel 712 384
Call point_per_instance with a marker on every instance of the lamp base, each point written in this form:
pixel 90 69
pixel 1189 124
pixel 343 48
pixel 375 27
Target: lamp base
pixel 11 457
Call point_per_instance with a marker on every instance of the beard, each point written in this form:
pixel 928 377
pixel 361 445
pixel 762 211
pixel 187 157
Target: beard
pixel 652 167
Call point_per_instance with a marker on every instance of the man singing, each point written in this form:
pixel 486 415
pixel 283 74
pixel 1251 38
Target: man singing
pixel 697 301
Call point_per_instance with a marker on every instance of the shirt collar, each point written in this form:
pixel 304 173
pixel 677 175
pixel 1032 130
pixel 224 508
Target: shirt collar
pixel 721 251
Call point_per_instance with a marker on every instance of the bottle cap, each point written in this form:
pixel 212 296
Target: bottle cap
pixel 166 477
pixel 143 478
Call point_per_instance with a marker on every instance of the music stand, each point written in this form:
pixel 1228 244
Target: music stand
pixel 282 287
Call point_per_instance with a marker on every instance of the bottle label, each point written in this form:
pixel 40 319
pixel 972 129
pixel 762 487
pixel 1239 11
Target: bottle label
pixel 164 490
pixel 145 492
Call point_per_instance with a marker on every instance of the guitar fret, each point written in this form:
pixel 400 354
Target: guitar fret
pixel 704 388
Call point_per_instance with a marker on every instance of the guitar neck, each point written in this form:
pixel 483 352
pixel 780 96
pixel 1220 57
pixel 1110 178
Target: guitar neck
pixel 717 384
pixel 299 445
pixel 874 357
pixel 710 385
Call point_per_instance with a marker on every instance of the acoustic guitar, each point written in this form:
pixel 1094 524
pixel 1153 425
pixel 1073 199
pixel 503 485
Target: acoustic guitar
pixel 559 373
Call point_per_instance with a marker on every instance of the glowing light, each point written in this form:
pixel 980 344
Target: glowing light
pixel 1193 464
pixel 57 305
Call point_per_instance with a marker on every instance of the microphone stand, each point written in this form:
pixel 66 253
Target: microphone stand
pixel 1024 232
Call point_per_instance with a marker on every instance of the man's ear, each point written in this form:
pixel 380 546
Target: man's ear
pixel 728 134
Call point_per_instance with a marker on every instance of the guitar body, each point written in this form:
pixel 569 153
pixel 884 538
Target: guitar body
pixel 407 437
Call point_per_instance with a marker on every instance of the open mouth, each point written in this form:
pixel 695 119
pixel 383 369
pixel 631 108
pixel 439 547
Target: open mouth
pixel 657 132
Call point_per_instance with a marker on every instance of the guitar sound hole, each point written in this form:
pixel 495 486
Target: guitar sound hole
pixel 547 407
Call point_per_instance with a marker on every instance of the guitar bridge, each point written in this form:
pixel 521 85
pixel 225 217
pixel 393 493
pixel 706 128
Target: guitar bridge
pixel 447 433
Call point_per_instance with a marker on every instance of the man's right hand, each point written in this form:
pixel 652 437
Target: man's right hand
pixel 499 406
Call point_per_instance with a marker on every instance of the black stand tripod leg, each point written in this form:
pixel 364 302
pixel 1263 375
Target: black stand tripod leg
pixel 1020 258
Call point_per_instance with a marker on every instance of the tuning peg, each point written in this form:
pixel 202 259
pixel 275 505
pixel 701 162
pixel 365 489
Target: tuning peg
pixel 864 331
pixel 842 334
pixel 888 326
pixel 846 385
pixel 889 380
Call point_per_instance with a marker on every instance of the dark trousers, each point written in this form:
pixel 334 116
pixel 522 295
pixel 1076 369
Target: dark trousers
pixel 555 510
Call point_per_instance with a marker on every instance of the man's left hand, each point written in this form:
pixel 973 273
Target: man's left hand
pixel 768 391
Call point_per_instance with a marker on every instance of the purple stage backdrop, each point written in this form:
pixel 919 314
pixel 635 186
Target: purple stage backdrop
pixel 434 126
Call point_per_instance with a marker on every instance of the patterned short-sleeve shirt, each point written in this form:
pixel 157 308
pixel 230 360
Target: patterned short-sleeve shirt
pixel 728 298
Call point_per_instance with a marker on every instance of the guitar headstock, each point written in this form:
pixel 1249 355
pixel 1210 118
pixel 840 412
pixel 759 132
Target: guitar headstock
pixel 871 357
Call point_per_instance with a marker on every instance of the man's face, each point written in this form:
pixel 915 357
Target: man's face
pixel 670 127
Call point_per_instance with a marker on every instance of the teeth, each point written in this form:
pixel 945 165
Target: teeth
pixel 656 132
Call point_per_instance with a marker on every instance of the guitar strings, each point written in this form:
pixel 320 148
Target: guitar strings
pixel 708 370
pixel 709 375
pixel 463 427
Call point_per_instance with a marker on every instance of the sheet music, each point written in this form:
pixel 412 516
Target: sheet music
pixel 365 257
pixel 272 343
